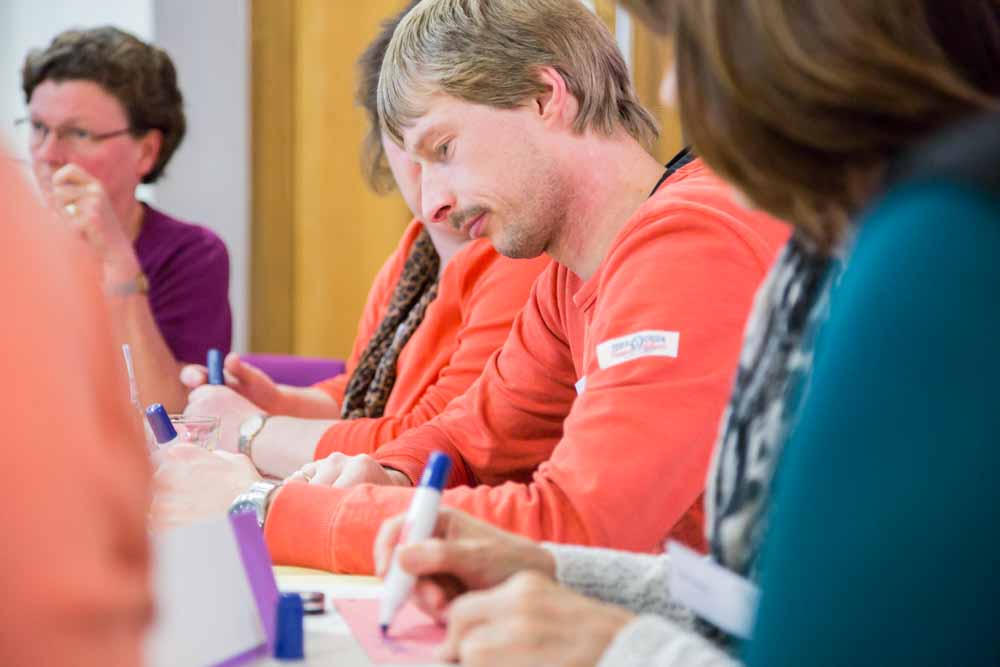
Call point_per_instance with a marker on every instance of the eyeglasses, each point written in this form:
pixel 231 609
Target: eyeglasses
pixel 75 138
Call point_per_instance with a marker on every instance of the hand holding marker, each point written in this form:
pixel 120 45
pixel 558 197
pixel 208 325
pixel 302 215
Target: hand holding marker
pixel 420 521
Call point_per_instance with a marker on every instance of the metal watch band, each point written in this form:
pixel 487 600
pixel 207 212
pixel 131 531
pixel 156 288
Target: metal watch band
pixel 255 499
pixel 249 430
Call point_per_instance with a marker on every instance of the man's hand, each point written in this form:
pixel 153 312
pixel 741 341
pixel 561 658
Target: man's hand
pixel 224 403
pixel 341 471
pixel 530 620
pixel 464 554
pixel 192 483
pixel 245 379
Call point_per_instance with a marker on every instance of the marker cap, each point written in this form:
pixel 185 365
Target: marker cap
pixel 159 422
pixel 214 363
pixel 436 471
pixel 290 635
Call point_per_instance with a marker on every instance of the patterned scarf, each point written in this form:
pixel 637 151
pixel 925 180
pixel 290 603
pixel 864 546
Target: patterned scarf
pixel 773 373
pixel 373 379
pixel 774 362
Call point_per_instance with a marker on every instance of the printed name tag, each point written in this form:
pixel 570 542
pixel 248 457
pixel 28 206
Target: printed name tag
pixel 720 596
pixel 640 344
pixel 581 385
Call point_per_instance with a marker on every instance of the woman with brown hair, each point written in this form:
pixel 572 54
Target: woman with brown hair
pixel 873 128
pixel 881 543
pixel 105 114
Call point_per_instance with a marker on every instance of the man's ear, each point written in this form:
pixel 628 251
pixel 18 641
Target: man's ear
pixel 555 104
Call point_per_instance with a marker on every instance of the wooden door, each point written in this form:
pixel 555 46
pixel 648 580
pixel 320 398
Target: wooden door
pixel 319 234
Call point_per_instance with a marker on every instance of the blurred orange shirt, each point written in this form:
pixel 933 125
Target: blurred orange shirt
pixel 75 560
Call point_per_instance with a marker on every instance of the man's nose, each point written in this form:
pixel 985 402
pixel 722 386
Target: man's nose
pixel 437 200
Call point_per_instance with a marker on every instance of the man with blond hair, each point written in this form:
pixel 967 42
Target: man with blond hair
pixel 594 423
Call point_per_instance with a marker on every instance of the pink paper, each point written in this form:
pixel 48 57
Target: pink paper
pixel 412 637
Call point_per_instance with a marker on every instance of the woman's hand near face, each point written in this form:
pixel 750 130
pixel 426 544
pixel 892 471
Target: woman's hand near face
pixel 464 554
pixel 80 198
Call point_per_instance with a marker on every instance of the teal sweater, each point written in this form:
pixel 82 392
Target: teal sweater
pixel 884 537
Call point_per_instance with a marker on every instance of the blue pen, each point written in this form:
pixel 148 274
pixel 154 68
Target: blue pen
pixel 159 421
pixel 420 520
pixel 214 364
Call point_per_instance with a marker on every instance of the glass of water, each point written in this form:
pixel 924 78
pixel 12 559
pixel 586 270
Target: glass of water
pixel 196 430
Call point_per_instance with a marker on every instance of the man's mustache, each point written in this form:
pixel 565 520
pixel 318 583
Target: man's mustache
pixel 458 219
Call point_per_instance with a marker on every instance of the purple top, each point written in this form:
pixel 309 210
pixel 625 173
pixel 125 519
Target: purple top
pixel 188 271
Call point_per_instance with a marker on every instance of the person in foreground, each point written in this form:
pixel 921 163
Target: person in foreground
pixel 76 558
pixel 880 544
pixel 527 131
pixel 105 114
pixel 441 305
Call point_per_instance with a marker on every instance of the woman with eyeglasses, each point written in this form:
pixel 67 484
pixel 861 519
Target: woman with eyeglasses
pixel 104 115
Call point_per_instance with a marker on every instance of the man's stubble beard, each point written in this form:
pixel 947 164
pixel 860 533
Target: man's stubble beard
pixel 539 224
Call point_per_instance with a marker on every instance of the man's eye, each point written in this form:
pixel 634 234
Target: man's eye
pixel 443 149
pixel 39 126
pixel 77 133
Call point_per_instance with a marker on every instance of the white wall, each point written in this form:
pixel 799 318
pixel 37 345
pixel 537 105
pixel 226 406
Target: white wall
pixel 207 181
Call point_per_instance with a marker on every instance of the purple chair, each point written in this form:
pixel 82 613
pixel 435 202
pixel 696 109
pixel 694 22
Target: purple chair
pixel 294 370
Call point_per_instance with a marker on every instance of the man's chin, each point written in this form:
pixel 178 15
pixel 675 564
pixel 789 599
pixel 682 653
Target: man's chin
pixel 517 250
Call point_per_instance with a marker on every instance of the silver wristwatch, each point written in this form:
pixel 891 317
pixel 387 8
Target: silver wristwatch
pixel 255 499
pixel 249 429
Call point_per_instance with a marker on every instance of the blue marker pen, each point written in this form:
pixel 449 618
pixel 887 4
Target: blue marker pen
pixel 420 520
pixel 214 364
pixel 159 422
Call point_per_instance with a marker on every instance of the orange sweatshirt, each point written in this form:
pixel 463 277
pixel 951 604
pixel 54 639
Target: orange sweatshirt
pixel 479 294
pixel 75 556
pixel 595 422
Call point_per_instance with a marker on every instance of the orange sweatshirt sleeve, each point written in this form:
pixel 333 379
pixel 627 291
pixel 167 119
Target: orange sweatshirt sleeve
pixel 371 316
pixel 495 291
pixel 630 459
pixel 75 559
